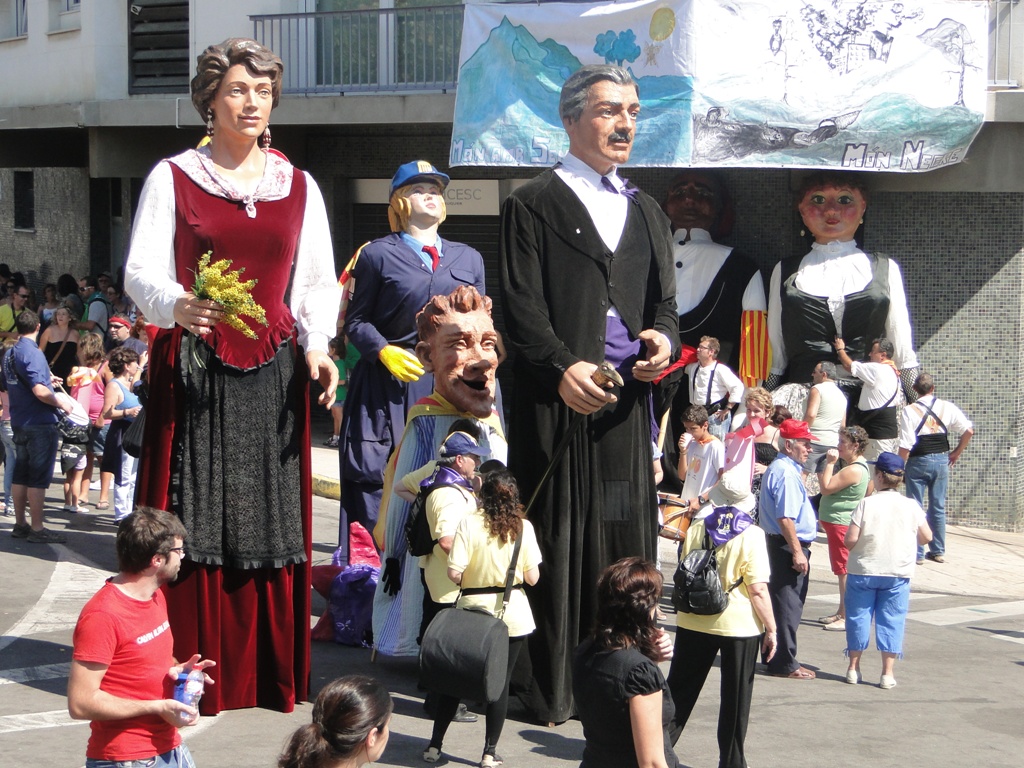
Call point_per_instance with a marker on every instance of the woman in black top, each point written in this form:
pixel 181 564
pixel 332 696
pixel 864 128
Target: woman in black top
pixel 620 693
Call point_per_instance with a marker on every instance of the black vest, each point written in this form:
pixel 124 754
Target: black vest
pixel 808 329
pixel 718 313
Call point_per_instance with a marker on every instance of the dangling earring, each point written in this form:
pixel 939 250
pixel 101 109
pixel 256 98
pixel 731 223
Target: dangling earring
pixel 266 137
pixel 209 123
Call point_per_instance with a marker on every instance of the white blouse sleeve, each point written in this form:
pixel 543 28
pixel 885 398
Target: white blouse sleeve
pixel 897 324
pixel 779 359
pixel 149 272
pixel 753 296
pixel 315 298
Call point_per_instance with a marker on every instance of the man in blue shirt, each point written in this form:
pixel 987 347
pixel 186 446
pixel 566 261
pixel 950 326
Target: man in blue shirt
pixel 34 415
pixel 787 517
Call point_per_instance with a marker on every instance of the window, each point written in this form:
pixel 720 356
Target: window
pixel 65 15
pixel 13 19
pixel 24 200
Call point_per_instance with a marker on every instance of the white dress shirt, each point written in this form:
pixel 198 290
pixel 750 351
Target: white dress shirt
pixel 697 262
pixel 723 382
pixel 607 209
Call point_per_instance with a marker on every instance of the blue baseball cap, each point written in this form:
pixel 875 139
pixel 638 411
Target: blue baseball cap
pixel 417 170
pixel 462 444
pixel 890 463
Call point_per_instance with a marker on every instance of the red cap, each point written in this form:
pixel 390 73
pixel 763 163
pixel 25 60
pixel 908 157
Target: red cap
pixel 791 429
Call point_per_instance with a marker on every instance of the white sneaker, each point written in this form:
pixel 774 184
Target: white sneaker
pixel 887 681
pixel 852 676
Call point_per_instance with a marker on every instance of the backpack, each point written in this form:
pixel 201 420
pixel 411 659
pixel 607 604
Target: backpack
pixel 698 587
pixel 106 305
pixel 417 527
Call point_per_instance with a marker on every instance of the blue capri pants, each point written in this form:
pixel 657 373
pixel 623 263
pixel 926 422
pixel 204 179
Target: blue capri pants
pixel 884 598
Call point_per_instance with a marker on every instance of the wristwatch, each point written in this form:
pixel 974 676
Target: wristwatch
pixel 702 500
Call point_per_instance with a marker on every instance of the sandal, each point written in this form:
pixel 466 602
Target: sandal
pixel 830 619
pixel 102 505
pixel 800 673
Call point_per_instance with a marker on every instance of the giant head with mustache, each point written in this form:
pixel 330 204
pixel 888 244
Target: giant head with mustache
pixel 599 105
pixel 458 344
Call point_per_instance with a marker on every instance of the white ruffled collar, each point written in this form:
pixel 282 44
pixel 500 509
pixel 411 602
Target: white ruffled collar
pixel 835 248
pixel 276 183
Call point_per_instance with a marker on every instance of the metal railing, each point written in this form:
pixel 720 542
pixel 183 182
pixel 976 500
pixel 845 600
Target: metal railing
pixel 396 49
pixel 1005 36
pixel 410 49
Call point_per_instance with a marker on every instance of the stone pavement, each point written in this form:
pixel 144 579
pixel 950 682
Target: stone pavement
pixel 957 702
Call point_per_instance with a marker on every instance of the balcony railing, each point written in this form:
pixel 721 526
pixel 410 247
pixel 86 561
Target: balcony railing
pixel 397 49
pixel 1006 37
pixel 415 49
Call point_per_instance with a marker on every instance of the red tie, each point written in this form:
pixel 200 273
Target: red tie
pixel 435 258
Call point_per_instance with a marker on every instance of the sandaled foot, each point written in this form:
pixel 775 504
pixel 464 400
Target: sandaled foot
pixel 830 619
pixel 800 673
pixel 102 505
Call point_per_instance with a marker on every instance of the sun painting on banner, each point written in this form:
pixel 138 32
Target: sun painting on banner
pixel 663 21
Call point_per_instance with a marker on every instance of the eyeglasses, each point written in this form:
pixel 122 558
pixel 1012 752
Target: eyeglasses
pixel 21 295
pixel 179 550
pixel 706 349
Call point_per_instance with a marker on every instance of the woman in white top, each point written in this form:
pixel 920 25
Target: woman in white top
pixel 478 562
pixel 885 531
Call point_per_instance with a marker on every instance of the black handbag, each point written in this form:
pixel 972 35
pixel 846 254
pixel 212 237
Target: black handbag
pixel 464 652
pixel 131 440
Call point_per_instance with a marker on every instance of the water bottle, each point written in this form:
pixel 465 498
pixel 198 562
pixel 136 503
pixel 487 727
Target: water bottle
pixel 189 689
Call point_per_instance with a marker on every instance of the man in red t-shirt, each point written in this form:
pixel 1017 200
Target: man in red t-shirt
pixel 123 668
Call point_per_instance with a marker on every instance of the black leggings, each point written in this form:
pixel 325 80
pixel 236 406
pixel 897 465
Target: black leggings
pixel 496 710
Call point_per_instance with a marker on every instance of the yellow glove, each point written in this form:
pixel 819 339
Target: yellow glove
pixel 403 364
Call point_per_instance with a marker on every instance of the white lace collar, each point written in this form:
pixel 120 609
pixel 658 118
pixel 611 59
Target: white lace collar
pixel 835 248
pixel 276 183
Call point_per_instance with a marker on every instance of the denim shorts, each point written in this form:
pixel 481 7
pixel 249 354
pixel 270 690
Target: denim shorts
pixel 98 438
pixel 36 453
pixel 179 757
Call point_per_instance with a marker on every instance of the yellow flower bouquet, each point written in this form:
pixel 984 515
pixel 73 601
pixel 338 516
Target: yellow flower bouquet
pixel 216 282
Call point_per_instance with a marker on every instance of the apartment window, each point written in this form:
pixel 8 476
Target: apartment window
pixel 13 19
pixel 24 200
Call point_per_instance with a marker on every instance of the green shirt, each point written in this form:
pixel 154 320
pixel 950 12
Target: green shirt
pixel 838 507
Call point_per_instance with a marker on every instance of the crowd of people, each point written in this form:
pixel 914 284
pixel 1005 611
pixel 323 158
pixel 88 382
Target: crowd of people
pixel 83 366
pixel 780 401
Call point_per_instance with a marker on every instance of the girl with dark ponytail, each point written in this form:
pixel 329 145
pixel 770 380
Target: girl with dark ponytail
pixel 349 729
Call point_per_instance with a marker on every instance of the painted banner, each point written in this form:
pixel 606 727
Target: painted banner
pixel 889 86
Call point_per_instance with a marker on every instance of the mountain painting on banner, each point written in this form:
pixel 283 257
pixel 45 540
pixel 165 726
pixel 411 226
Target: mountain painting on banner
pixel 866 84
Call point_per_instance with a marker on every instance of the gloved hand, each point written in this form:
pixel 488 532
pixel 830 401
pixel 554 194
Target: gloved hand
pixel 391 579
pixel 402 363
